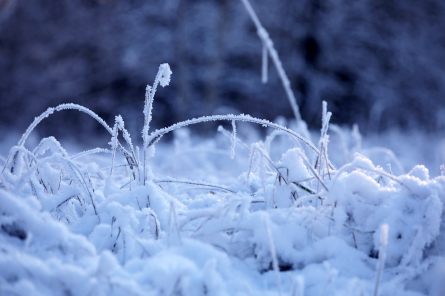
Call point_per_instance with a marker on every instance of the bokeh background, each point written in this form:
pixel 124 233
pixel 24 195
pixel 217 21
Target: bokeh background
pixel 378 63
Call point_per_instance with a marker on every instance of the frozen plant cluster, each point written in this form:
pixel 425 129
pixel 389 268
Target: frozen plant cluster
pixel 102 222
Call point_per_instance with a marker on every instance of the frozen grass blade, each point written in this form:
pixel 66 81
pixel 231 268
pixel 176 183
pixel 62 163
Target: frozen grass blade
pixel 273 255
pixel 233 140
pixel 163 78
pixel 229 135
pixel 203 184
pixel 314 172
pixel 90 152
pixel 114 144
pixel 173 213
pixel 298 286
pixel 264 66
pixel 267 42
pixel 80 108
pixel 156 135
pixel 382 255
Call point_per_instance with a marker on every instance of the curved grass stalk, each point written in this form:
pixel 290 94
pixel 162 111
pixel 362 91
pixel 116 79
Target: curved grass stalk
pixel 387 152
pixel 156 135
pixel 90 152
pixel 195 183
pixel 61 107
pixel 273 135
pixel 47 143
pixel 14 150
pixel 80 108
pixel 381 172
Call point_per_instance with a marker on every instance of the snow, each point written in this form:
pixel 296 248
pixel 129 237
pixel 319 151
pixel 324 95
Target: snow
pixel 267 222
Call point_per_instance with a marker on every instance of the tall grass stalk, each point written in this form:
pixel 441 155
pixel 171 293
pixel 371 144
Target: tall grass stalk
pixel 267 42
pixel 163 78
pixel 273 255
pixel 382 255
pixel 156 135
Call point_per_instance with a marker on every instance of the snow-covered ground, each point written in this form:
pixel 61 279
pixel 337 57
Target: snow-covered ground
pixel 234 214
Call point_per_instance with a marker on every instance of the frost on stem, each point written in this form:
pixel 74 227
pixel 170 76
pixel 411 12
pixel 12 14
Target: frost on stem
pixel 163 78
pixel 267 42
pixel 156 135
pixel 322 160
pixel 382 255
pixel 229 135
pixel 80 108
pixel 273 254
pixel 265 65
pixel 114 140
pixel 232 154
pixel 51 144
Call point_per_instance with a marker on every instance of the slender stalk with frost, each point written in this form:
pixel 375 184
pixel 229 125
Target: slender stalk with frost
pixel 267 42
pixel 233 140
pixel 377 171
pixel 61 107
pixel 203 184
pixel 229 135
pixel 273 135
pixel 90 152
pixel 265 65
pixel 382 254
pixel 173 213
pixel 307 163
pixel 156 135
pixel 323 143
pixel 274 256
pixel 298 286
pixel 163 78
pixel 114 144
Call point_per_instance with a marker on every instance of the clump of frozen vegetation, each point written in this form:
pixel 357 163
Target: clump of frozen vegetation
pixel 95 224
pixel 119 221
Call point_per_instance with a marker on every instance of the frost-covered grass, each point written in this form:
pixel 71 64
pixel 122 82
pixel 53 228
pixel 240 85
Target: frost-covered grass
pixel 283 217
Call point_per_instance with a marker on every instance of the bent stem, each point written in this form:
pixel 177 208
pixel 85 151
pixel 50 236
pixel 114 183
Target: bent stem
pixel 156 135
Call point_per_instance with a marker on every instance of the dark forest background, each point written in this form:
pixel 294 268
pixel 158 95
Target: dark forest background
pixel 378 63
